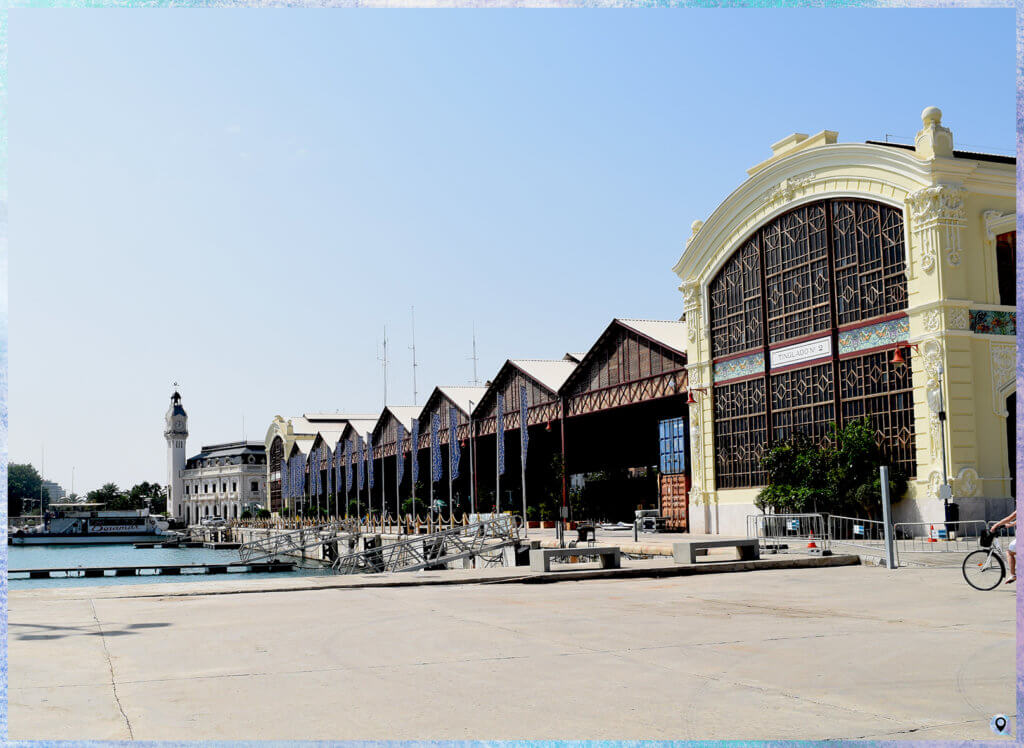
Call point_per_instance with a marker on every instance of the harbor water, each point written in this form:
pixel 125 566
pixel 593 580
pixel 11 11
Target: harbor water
pixel 126 554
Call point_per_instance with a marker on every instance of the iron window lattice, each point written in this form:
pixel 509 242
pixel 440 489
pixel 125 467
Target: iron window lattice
pixel 807 272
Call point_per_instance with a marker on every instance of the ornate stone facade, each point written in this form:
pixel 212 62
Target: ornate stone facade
pixel 953 206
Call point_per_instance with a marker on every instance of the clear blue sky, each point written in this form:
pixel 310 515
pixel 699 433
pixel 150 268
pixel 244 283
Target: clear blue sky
pixel 239 200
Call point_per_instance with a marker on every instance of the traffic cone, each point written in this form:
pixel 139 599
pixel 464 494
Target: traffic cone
pixel 931 534
pixel 811 543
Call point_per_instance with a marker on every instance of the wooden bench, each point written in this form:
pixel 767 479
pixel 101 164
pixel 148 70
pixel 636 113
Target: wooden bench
pixel 687 552
pixel 540 558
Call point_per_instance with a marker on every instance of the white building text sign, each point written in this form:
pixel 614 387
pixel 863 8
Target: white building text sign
pixel 797 354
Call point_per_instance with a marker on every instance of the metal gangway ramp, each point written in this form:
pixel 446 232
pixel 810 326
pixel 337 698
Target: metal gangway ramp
pixel 417 552
pixel 295 541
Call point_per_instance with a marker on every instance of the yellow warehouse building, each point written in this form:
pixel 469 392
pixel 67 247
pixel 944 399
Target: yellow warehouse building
pixel 806 289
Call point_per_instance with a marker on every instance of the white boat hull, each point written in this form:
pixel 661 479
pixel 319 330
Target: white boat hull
pixel 41 539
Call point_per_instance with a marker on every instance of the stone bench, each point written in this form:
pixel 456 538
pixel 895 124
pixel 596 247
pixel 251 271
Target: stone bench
pixel 687 552
pixel 540 558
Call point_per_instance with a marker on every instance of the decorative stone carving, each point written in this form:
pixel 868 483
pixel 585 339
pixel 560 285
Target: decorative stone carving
pixel 966 483
pixel 959 318
pixel 932 354
pixel 933 139
pixel 694 228
pixel 1004 374
pixel 933 320
pixel 937 214
pixel 934 481
pixel 697 462
pixel 786 190
pixel 996 222
pixel 692 308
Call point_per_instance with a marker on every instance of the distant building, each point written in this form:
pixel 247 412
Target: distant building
pixel 56 493
pixel 175 432
pixel 224 480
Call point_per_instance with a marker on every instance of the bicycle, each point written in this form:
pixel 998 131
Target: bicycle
pixel 984 568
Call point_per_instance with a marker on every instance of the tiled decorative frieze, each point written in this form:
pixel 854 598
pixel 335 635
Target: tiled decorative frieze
pixel 993 323
pixel 873 336
pixel 739 367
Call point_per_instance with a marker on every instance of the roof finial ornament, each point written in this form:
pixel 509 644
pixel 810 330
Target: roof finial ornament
pixel 694 228
pixel 933 139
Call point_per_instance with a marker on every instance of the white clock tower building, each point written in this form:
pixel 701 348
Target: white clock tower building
pixel 176 432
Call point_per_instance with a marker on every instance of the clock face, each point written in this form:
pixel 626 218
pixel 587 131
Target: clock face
pixel 179 424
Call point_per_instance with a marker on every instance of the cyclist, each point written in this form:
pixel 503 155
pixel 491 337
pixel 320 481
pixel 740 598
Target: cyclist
pixel 1010 521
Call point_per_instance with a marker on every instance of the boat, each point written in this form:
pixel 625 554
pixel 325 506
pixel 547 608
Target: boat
pixel 89 523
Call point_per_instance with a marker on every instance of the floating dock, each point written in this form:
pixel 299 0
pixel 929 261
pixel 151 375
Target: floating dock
pixel 154 570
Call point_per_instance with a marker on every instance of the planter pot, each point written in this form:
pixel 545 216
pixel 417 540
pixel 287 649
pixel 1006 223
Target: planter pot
pixel 547 524
pixel 533 523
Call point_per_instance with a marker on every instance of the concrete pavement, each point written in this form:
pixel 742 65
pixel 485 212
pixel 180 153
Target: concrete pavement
pixel 849 652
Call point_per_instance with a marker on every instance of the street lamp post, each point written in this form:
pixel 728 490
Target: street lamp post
pixel 472 462
pixel 942 439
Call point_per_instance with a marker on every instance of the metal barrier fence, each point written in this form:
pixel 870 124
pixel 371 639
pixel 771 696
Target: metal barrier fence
pixel 867 535
pixel 779 533
pixel 793 533
pixel 936 537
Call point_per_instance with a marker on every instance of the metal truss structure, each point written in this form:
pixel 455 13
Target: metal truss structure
pixel 486 540
pixel 297 540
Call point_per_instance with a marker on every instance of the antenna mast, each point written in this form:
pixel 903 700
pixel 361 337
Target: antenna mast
pixel 384 359
pixel 413 347
pixel 476 381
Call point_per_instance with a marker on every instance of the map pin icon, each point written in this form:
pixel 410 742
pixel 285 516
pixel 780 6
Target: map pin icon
pixel 999 723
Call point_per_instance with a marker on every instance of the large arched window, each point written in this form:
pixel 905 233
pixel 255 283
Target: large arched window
pixel 802 317
pixel 276 459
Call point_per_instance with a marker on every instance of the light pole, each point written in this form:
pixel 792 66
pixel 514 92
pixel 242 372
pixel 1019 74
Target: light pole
pixel 945 491
pixel 472 463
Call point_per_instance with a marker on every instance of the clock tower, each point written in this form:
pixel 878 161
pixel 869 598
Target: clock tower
pixel 175 432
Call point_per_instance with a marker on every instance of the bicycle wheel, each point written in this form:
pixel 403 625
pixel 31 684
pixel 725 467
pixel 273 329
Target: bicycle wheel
pixel 984 571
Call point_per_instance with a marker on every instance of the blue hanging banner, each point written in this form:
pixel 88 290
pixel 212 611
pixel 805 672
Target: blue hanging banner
pixel 399 452
pixel 348 466
pixel 337 467
pixel 314 472
pixel 436 467
pixel 361 469
pixel 330 470
pixel 284 479
pixel 500 432
pixel 453 443
pixel 524 425
pixel 414 450
pixel 369 456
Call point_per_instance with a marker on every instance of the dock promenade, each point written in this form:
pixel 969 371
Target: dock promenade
pixel 779 653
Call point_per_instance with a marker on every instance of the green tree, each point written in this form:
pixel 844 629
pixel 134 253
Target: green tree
pixel 108 494
pixel 853 477
pixel 148 494
pixel 838 476
pixel 23 483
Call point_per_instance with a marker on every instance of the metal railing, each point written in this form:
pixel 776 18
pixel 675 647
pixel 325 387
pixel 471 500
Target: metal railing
pixel 938 537
pixel 793 533
pixel 867 535
pixel 295 541
pixel 486 539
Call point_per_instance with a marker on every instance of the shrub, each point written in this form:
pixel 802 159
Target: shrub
pixel 838 476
